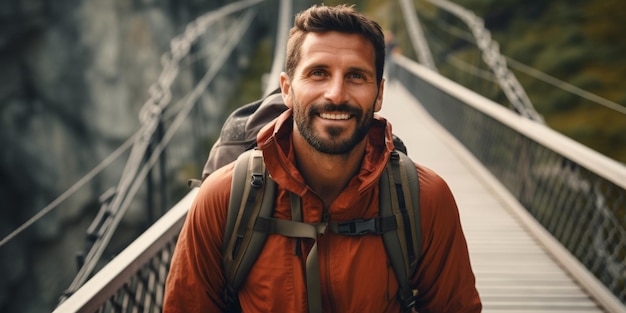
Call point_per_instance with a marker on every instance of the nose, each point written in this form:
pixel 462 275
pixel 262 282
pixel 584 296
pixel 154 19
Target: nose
pixel 336 90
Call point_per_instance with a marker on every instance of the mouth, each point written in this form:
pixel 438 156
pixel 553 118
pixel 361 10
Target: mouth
pixel 335 116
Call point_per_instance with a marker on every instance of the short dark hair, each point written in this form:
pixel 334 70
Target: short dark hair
pixel 341 18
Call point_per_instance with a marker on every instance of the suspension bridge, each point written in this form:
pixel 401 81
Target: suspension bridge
pixel 543 215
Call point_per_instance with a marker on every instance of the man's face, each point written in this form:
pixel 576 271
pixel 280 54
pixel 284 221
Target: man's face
pixel 333 93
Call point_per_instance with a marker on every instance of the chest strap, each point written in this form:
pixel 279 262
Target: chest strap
pixel 295 228
pixel 250 220
pixel 299 230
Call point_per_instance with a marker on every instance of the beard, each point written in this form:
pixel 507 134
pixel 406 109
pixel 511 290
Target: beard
pixel 332 140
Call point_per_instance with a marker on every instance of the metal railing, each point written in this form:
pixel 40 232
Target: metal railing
pixel 578 195
pixel 148 147
pixel 135 280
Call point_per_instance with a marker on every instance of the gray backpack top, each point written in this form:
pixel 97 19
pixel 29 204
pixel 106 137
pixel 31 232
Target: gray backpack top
pixel 240 129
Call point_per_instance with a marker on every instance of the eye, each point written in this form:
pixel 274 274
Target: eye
pixel 356 77
pixel 318 74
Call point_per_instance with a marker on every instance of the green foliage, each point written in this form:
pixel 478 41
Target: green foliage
pixel 579 42
pixel 555 59
pixel 250 87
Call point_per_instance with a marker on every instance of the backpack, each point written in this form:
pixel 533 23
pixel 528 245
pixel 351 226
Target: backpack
pixel 239 131
pixel 251 207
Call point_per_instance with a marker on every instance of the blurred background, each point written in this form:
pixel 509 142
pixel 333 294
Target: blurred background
pixel 76 75
pixel 577 43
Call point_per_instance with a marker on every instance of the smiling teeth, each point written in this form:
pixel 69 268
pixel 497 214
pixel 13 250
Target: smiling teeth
pixel 335 116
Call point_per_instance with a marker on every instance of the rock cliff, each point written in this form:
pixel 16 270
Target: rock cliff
pixel 74 75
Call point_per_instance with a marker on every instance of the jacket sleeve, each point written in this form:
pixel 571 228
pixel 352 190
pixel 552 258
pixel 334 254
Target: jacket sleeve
pixel 195 282
pixel 444 277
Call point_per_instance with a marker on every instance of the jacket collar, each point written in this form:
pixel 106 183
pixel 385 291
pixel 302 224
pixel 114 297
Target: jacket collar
pixel 276 143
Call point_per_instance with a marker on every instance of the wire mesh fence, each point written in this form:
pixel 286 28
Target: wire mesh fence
pixel 580 207
pixel 143 292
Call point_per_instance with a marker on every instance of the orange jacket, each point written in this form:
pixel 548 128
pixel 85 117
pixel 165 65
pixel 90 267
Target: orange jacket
pixel 355 273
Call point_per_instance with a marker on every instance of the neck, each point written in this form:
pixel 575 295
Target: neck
pixel 327 174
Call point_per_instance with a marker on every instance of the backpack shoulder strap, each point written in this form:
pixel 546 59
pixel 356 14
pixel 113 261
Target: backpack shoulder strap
pixel 252 196
pixel 399 197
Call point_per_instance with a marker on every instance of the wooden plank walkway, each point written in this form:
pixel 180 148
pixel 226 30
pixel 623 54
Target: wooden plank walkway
pixel 514 272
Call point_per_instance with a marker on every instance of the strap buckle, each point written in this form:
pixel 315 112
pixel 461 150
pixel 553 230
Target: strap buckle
pixel 358 227
pixel 257 180
pixel 231 300
pixel 409 304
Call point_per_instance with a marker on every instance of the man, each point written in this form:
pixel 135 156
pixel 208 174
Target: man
pixel 330 149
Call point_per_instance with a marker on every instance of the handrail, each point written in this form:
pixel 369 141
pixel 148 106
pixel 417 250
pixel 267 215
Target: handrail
pixel 575 194
pixel 580 154
pixel 137 167
pixel 136 278
pixel 156 240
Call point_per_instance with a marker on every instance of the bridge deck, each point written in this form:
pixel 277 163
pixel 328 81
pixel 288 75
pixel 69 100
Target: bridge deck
pixel 514 272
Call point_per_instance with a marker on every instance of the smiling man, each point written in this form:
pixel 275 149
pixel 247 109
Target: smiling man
pixel 339 81
pixel 328 150
pixel 333 92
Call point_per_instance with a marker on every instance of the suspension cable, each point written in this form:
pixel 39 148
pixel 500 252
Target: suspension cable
pixel 420 45
pixel 123 201
pixel 566 86
pixel 73 189
pixel 280 48
pixel 511 87
pixel 526 69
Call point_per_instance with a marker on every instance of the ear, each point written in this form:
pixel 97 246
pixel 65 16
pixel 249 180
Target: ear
pixel 285 87
pixel 379 98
